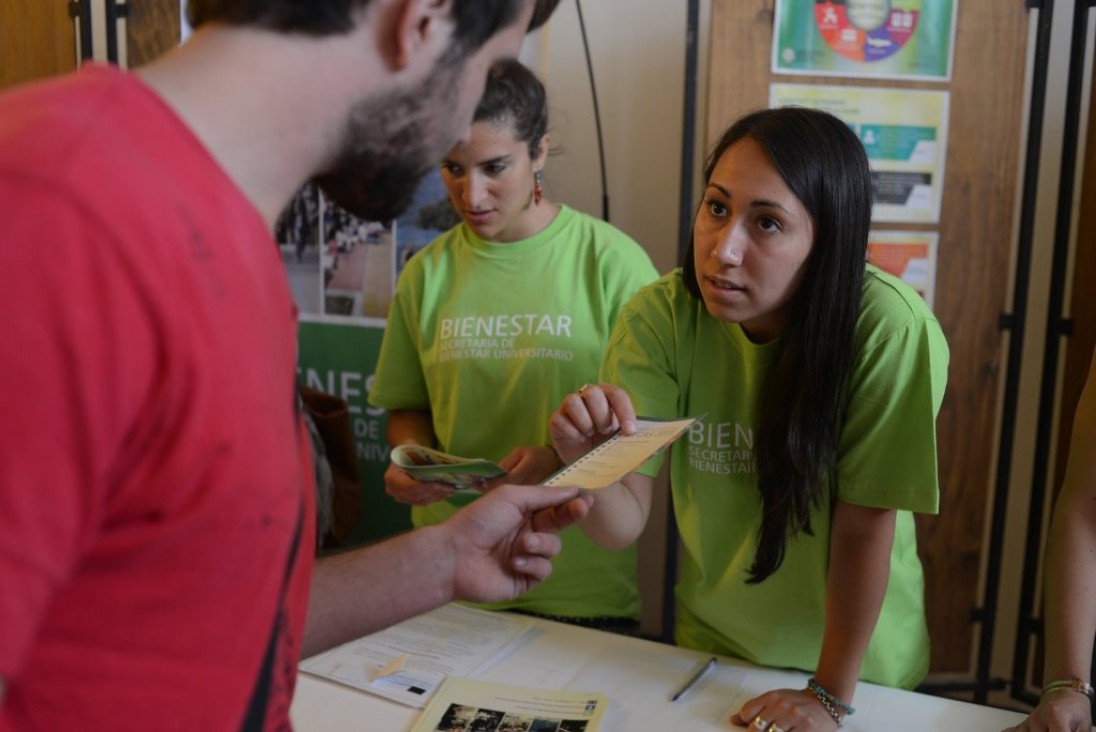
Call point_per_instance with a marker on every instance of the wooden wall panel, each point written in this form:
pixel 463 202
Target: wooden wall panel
pixel 37 39
pixel 153 27
pixel 975 257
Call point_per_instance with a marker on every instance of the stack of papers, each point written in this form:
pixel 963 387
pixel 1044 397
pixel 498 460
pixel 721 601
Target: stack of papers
pixel 408 662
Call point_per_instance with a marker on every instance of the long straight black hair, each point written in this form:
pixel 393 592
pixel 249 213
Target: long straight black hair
pixel 803 400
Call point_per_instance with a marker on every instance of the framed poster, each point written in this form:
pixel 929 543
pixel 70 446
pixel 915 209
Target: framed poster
pixel 908 255
pixel 881 39
pixel 904 132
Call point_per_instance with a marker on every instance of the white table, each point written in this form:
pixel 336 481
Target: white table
pixel 638 677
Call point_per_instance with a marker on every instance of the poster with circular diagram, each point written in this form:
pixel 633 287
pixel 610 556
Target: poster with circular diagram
pixel 903 39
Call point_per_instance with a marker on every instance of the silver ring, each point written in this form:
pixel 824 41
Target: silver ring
pixel 759 724
pixel 774 727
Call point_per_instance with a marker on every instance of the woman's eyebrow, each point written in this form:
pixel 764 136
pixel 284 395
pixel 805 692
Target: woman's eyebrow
pixel 756 203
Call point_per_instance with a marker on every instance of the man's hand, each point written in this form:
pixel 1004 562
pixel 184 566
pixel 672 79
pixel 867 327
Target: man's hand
pixel 503 543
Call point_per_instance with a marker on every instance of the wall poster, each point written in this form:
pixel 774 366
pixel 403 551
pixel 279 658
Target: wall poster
pixel 896 39
pixel 342 272
pixel 904 132
pixel 908 255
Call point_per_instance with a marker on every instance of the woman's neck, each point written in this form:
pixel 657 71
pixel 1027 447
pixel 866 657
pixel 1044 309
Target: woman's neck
pixel 536 218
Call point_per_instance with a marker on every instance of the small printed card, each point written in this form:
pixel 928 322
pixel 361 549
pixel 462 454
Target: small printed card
pixel 467 704
pixel 424 463
pixel 620 454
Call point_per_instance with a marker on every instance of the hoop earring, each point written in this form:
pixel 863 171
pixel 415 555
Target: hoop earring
pixel 538 188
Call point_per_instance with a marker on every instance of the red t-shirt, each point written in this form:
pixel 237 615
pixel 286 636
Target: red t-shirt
pixel 153 471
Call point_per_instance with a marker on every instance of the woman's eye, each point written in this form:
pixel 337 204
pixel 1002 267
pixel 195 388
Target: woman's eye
pixel 716 208
pixel 768 223
pixel 451 169
pixel 495 168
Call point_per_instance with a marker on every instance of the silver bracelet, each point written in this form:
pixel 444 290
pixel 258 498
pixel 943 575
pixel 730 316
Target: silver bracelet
pixel 827 705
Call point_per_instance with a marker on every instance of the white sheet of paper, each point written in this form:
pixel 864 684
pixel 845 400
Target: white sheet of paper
pixel 450 640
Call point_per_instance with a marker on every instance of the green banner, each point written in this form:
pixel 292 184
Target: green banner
pixel 339 359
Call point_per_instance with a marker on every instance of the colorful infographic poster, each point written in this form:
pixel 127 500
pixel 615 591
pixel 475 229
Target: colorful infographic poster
pixel 908 255
pixel 904 132
pixel 897 39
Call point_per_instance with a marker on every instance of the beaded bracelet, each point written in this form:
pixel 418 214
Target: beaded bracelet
pixel 830 702
pixel 1073 684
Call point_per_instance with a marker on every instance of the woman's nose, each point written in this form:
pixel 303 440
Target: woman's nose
pixel 472 192
pixel 731 248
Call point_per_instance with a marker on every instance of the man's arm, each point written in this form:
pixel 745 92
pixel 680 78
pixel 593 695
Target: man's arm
pixel 494 549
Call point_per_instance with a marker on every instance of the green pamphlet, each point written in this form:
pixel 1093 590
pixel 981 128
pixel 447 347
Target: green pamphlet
pixel 424 463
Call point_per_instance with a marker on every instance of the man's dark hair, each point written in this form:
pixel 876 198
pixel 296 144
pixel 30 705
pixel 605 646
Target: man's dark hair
pixel 514 95
pixel 803 401
pixel 477 20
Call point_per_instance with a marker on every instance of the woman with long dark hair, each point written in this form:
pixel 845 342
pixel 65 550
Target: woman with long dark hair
pixel 817 379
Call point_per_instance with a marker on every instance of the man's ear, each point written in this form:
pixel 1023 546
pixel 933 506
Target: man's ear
pixel 422 26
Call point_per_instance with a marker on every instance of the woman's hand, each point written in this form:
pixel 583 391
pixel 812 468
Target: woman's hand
pixel 785 709
pixel 526 466
pixel 588 417
pixel 1061 710
pixel 399 484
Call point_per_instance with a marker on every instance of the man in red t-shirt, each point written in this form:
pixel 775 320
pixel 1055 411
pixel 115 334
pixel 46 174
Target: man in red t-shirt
pixel 156 504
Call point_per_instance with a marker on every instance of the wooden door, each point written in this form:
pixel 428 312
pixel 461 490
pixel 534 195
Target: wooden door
pixel 37 39
pixel 974 261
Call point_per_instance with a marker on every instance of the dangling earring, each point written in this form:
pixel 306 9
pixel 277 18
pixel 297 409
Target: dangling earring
pixel 538 187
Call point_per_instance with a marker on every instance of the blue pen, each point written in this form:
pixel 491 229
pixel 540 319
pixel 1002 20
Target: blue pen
pixel 697 676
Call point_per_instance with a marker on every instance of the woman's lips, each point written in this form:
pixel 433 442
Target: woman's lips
pixel 723 289
pixel 478 218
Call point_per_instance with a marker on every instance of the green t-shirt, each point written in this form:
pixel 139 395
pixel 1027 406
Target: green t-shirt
pixel 489 338
pixel 675 359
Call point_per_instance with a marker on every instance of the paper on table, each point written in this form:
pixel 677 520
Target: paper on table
pixel 620 454
pixel 466 704
pixel 450 640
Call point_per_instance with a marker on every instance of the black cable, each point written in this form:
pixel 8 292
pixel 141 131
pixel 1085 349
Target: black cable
pixel 688 126
pixel 597 115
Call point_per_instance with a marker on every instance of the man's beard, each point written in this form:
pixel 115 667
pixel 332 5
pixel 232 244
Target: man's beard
pixel 392 142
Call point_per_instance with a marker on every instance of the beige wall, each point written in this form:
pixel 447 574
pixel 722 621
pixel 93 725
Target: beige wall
pixel 638 51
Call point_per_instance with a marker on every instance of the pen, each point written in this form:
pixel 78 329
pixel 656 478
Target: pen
pixel 691 682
